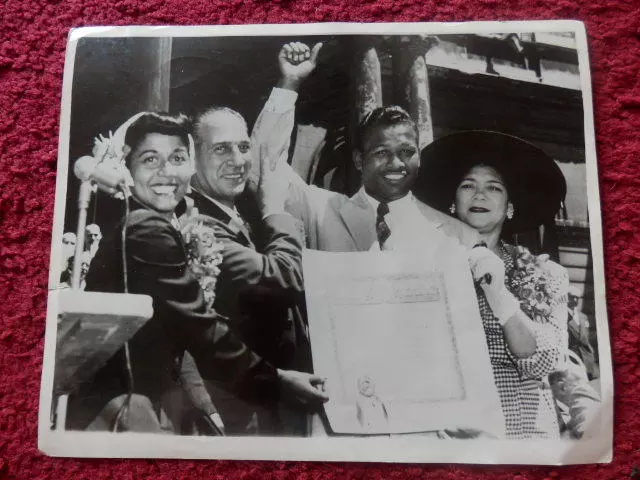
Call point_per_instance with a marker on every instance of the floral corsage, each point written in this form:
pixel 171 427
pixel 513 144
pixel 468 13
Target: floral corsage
pixel 204 254
pixel 532 285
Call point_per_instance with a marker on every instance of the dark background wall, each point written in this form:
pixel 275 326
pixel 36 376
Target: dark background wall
pixel 113 80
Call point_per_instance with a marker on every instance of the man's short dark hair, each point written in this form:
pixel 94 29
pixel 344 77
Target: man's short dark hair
pixel 382 117
pixel 157 122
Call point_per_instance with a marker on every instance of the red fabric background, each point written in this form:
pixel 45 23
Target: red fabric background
pixel 32 46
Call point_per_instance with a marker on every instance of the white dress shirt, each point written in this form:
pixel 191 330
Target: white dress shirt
pixel 232 212
pixel 410 230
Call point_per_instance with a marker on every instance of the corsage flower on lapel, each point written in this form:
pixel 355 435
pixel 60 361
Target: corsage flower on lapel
pixel 204 253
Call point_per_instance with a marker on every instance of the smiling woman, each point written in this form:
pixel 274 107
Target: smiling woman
pixel 146 254
pixel 482 200
pixel 494 182
pixel 157 155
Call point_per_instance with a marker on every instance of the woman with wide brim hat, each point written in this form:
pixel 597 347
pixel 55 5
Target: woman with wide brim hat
pixel 499 183
pixel 537 187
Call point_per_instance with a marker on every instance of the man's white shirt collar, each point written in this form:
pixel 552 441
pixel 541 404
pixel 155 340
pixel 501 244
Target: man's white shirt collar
pixel 232 212
pixel 410 230
pixel 398 209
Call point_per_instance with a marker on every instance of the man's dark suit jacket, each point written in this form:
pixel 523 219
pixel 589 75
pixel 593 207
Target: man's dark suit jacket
pixel 260 283
pixel 156 266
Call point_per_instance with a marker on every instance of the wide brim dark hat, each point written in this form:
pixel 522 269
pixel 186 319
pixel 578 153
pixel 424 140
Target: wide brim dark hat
pixel 534 182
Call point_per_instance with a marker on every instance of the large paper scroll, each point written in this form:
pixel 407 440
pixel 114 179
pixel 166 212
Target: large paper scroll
pixel 401 342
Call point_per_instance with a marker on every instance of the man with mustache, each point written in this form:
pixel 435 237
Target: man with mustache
pixel 261 273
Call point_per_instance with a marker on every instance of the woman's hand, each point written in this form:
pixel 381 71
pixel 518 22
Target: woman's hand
pixel 488 270
pixel 305 388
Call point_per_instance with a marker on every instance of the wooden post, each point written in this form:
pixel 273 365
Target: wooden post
pixel 366 97
pixel 367 78
pixel 412 82
pixel 154 58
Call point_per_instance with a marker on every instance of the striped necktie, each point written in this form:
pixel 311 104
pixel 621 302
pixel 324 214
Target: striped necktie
pixel 382 229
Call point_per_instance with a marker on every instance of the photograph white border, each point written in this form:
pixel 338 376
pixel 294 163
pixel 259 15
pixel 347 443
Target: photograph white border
pixel 128 445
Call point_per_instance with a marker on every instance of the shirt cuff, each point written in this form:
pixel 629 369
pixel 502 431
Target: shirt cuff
pixel 281 100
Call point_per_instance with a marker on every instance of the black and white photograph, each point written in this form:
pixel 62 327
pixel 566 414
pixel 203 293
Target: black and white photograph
pixel 353 242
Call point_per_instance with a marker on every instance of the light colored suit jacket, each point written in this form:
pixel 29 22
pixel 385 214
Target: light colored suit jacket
pixel 332 221
pixel 337 223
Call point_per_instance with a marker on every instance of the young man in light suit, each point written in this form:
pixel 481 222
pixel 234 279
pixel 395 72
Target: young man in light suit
pixel 383 214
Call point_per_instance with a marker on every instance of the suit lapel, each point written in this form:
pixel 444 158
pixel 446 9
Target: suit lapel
pixel 246 233
pixel 430 214
pixel 241 230
pixel 359 218
pixel 451 227
pixel 207 207
pixel 134 204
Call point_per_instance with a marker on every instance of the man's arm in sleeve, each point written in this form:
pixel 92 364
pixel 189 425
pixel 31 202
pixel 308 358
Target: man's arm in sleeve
pixel 193 385
pixel 550 335
pixel 271 135
pixel 277 264
pixel 272 132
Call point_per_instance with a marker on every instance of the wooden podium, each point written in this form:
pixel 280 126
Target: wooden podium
pixel 92 327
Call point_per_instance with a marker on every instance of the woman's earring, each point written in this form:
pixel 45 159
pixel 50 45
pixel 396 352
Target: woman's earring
pixel 452 208
pixel 510 211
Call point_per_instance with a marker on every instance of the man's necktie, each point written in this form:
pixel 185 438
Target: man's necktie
pixel 243 226
pixel 382 229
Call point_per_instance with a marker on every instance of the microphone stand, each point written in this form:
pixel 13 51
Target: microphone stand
pixel 81 314
pixel 84 198
pixel 59 403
